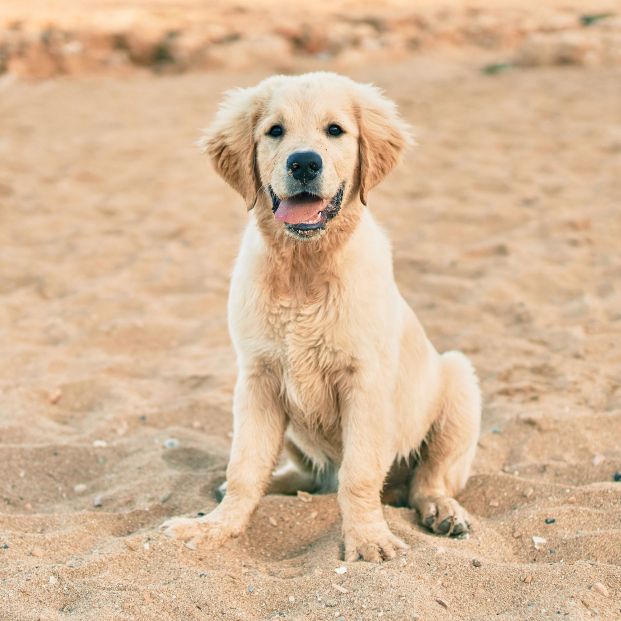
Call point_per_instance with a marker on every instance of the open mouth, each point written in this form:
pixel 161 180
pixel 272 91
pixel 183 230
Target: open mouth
pixel 305 215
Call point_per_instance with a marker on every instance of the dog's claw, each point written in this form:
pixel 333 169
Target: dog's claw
pixel 442 515
pixel 459 529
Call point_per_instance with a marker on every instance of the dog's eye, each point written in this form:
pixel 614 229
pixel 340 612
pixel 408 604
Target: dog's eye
pixel 335 130
pixel 276 131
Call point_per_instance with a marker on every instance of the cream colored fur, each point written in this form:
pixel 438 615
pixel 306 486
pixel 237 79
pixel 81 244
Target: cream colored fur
pixel 332 363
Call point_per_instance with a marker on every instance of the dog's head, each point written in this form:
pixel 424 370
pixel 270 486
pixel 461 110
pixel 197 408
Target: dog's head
pixel 302 149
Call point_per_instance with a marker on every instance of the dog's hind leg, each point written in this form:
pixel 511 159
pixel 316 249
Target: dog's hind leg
pixel 296 475
pixel 397 483
pixel 448 450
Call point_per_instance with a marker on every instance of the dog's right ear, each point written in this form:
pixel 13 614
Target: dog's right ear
pixel 230 141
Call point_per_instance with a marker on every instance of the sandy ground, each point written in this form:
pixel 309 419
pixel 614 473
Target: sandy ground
pixel 116 371
pixel 48 38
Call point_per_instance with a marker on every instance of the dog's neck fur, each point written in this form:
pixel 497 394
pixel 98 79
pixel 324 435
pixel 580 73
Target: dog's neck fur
pixel 301 270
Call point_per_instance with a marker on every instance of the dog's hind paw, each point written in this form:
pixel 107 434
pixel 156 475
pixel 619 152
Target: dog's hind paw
pixel 443 515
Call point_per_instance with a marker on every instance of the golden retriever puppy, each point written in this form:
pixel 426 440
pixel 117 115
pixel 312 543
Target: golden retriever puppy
pixel 332 362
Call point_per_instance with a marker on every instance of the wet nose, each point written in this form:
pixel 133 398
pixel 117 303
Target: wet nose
pixel 304 166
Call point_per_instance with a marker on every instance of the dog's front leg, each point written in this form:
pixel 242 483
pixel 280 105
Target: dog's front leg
pixel 368 452
pixel 259 425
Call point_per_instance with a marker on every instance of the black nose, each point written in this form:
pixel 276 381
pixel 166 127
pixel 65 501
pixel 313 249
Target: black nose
pixel 304 166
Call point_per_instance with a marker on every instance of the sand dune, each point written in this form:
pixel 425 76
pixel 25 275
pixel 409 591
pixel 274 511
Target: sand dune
pixel 116 373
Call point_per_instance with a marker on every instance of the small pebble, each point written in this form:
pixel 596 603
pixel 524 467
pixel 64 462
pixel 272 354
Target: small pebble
pixel 341 570
pixel 476 562
pixel 304 496
pixel 527 579
pixel 171 443
pixel 272 521
pixel 598 459
pixel 5 546
pixel 250 589
pixel 54 397
pixel 550 520
pixel 339 588
pixel 571 500
pixel 97 501
pixel 313 515
pixel 100 443
pixel 79 488
pixel 538 541
pixel 330 603
pixel 616 477
pixel 493 503
pixel 600 588
pixel 496 429
pixel 36 551
pixel 291 599
pixel 442 603
pixel 53 580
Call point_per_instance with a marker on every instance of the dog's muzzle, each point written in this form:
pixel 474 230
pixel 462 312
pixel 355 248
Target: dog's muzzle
pixel 305 215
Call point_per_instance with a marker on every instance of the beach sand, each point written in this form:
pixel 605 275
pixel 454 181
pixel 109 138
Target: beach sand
pixel 117 241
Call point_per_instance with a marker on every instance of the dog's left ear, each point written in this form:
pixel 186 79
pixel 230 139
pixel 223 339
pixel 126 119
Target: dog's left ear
pixel 383 136
pixel 230 141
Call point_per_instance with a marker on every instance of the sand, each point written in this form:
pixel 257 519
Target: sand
pixel 47 38
pixel 116 370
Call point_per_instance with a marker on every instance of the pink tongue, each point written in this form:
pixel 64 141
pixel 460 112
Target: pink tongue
pixel 292 212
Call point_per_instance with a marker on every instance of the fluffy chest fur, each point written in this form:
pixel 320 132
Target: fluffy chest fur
pixel 314 367
pixel 289 317
pixel 309 318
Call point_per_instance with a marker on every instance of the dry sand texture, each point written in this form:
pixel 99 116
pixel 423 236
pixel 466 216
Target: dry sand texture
pixel 116 372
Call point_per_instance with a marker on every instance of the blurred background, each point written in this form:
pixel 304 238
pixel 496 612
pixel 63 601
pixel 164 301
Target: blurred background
pixel 116 245
pixel 45 38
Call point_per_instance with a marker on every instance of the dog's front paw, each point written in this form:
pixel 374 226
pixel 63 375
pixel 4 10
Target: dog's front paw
pixel 195 531
pixel 443 515
pixel 373 544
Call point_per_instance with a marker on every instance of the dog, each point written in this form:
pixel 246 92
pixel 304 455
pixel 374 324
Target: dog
pixel 333 365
